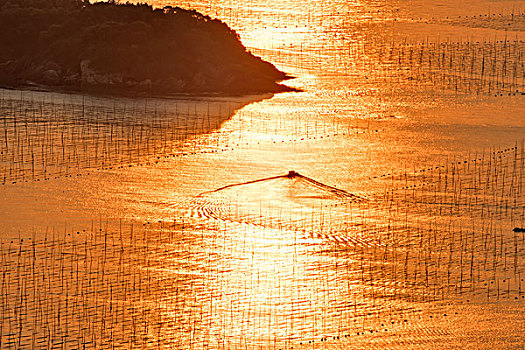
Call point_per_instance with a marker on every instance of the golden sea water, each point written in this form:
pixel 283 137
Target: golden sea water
pixel 407 133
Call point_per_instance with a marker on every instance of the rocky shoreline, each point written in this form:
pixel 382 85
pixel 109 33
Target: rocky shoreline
pixel 108 48
pixel 44 78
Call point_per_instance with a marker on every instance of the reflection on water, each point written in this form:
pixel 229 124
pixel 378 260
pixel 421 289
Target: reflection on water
pixel 399 264
pixel 143 223
pixel 280 201
pixel 48 135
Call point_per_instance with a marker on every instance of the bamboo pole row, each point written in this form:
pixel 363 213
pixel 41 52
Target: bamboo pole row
pixel 237 278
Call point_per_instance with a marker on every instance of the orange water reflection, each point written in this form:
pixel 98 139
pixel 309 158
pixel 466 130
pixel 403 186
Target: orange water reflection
pixel 286 263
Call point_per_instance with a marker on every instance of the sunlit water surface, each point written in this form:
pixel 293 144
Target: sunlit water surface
pixel 120 231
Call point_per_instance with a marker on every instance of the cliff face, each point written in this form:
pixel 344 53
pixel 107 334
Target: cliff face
pixel 122 49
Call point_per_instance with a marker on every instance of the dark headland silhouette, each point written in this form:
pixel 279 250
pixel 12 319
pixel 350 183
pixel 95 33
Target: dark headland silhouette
pixel 111 48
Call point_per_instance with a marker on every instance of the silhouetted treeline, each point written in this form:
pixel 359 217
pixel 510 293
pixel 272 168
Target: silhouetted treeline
pixel 121 48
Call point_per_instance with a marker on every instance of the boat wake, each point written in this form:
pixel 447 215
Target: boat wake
pixel 291 201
